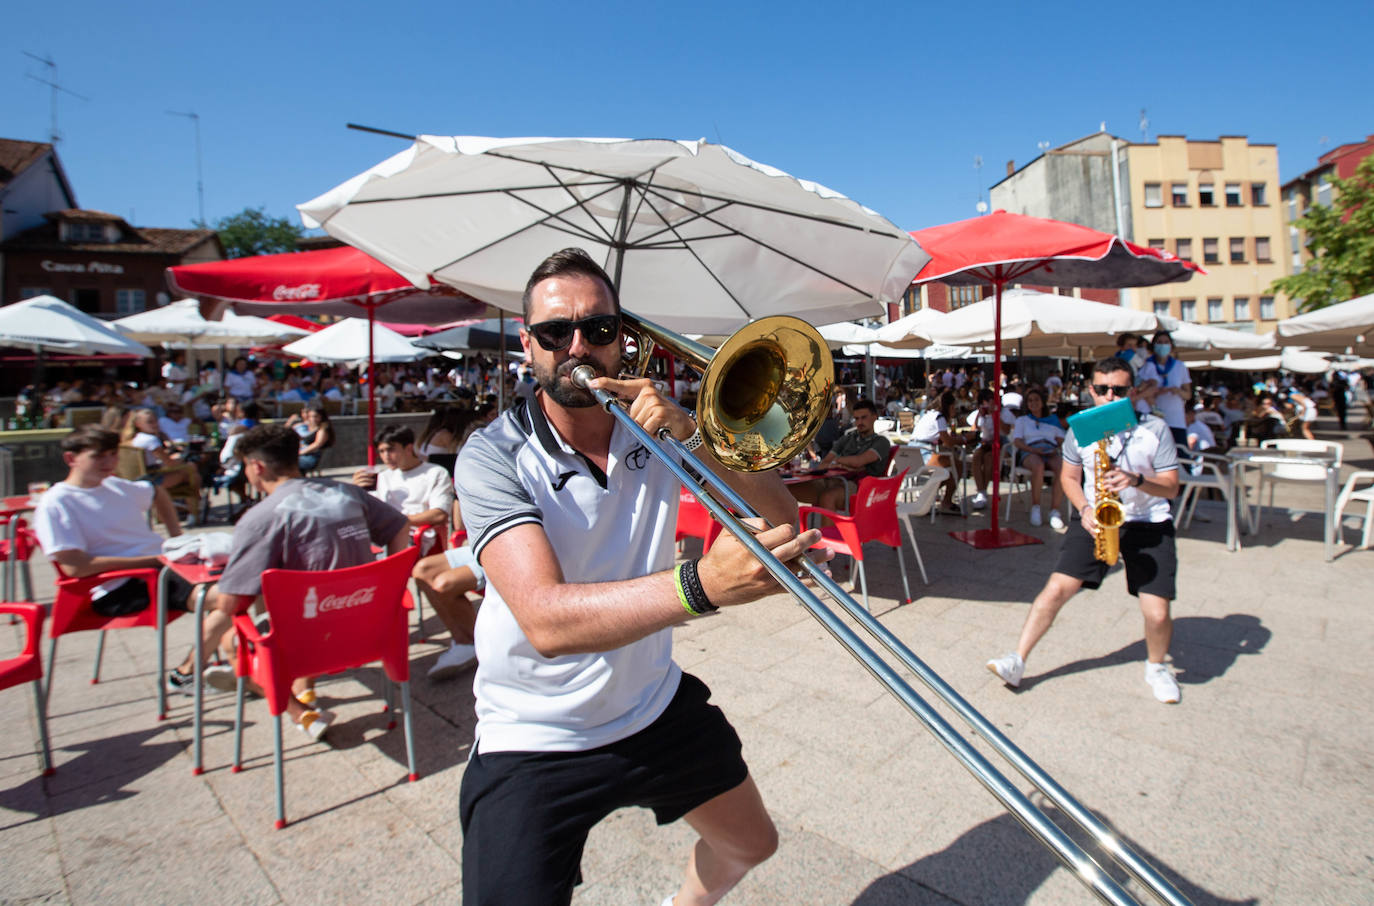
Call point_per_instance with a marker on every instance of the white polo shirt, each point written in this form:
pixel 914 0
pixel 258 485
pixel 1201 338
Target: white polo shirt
pixel 1147 449
pixel 604 527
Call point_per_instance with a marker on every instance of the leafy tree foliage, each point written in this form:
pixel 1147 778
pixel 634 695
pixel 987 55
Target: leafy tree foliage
pixel 1341 240
pixel 252 232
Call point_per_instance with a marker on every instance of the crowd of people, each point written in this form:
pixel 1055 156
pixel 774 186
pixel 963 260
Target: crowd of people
pixel 552 513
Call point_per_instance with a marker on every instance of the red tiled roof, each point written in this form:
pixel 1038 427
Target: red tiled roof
pixel 135 240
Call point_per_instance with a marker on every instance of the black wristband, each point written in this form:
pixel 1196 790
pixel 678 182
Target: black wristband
pixel 691 588
pixel 1139 480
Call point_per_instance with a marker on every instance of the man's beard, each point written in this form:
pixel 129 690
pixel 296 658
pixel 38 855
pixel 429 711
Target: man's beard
pixel 557 383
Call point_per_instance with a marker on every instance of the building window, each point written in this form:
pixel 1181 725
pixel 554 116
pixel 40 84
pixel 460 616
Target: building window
pixel 1266 308
pixel 85 232
pixel 1258 198
pixel 1292 204
pixel 1206 196
pixel 1157 244
pixel 1154 197
pixel 959 296
pixel 130 301
pixel 29 292
pixel 1295 244
pixel 1210 255
pixel 1241 306
pixel 1262 249
pixel 1323 194
pixel 1179 191
pixel 1237 251
pixel 1183 248
pixel 1161 306
pixel 1215 310
pixel 1233 199
pixel 1187 309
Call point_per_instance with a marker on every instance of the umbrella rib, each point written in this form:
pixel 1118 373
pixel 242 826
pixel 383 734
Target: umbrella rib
pixel 829 221
pixel 693 252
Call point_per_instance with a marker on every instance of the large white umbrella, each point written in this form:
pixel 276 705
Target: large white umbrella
pixel 696 236
pixel 1044 323
pixel 346 341
pixel 48 323
pixel 1299 361
pixel 1334 328
pixel 907 332
pixel 1195 341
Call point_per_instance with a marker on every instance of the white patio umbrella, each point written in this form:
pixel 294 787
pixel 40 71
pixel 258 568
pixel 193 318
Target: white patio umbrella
pixel 1201 341
pixel 847 333
pixel 346 341
pixel 1298 361
pixel 931 352
pixel 696 236
pixel 479 334
pixel 48 323
pixel 1346 325
pixel 906 332
pixel 1044 323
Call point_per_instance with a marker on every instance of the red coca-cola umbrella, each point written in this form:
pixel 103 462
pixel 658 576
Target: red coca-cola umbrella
pixel 338 281
pixel 1004 248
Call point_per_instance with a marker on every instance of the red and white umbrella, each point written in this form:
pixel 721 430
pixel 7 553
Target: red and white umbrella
pixel 339 281
pixel 1003 248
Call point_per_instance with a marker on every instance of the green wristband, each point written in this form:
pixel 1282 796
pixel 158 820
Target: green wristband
pixel 682 595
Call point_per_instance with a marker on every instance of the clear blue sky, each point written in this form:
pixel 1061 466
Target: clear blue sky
pixel 887 102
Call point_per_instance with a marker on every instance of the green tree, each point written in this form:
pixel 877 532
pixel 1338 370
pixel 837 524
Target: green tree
pixel 252 232
pixel 1341 240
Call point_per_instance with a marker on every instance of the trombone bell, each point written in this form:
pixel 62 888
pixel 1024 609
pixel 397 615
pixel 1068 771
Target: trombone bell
pixel 764 392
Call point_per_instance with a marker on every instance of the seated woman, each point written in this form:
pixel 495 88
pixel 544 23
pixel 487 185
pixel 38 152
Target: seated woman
pixel 317 435
pixel 446 431
pixel 1037 436
pixel 933 430
pixel 164 467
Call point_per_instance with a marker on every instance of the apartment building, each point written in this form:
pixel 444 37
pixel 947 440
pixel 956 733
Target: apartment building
pixel 1214 202
pixel 1315 187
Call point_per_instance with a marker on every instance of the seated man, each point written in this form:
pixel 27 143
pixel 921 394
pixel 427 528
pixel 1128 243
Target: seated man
pixel 300 524
pixel 92 522
pixel 860 448
pixel 423 493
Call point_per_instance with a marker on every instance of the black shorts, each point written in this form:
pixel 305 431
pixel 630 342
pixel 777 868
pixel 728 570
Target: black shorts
pixel 526 815
pixel 133 597
pixel 1147 550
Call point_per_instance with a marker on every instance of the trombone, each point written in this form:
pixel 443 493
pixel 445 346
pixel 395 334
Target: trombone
pixel 763 395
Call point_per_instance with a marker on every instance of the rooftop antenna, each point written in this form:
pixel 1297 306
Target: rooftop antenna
pixel 54 135
pixel 1144 126
pixel 200 181
pixel 981 207
pixel 1043 146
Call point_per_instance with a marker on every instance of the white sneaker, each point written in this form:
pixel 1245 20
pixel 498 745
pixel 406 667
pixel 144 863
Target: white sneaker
pixel 1162 683
pixel 453 662
pixel 1009 667
pixel 1035 515
pixel 1056 521
pixel 980 500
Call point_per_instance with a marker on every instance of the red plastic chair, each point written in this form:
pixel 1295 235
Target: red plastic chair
pixel 72 612
pixel 27 667
pixel 326 622
pixel 16 547
pixel 695 521
pixel 873 517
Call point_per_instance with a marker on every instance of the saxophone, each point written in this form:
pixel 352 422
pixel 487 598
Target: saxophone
pixel 1107 511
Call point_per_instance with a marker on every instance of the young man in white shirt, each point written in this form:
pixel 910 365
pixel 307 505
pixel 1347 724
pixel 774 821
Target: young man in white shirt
pixel 92 522
pixel 1144 476
pixel 423 493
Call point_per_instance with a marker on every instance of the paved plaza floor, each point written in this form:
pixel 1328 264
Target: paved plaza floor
pixel 1256 789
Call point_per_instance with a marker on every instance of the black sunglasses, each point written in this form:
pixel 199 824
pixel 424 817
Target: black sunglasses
pixel 1105 389
pixel 598 330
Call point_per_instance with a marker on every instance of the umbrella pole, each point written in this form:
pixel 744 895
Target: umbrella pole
pixel 501 357
pixel 996 404
pixel 371 386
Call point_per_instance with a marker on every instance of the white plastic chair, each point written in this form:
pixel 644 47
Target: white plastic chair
pixel 910 460
pixel 1198 471
pixel 1274 473
pixel 1015 474
pixel 929 480
pixel 1349 493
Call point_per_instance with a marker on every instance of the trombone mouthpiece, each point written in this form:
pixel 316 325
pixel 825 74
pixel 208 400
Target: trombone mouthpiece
pixel 582 374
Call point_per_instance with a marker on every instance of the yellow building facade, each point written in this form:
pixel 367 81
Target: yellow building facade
pixel 1216 203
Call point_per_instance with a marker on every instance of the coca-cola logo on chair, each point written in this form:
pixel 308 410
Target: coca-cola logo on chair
pixel 314 605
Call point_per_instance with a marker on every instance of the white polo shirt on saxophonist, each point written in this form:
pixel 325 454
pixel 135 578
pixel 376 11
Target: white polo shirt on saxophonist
pixel 604 527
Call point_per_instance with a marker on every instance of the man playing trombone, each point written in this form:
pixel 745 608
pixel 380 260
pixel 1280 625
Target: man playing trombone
pixel 580 707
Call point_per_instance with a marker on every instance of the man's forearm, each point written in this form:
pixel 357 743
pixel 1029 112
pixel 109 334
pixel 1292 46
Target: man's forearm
pixel 433 516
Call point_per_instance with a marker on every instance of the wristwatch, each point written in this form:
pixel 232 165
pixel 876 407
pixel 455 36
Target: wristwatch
pixel 1139 480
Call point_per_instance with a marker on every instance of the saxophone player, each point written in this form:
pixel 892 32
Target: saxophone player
pixel 1144 475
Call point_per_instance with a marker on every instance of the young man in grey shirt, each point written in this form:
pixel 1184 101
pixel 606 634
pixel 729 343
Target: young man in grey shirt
pixel 301 524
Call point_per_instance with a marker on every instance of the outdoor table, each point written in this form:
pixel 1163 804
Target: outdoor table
pixel 1241 460
pixel 10 509
pixel 203 575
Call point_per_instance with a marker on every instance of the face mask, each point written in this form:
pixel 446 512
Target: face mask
pixel 1162 350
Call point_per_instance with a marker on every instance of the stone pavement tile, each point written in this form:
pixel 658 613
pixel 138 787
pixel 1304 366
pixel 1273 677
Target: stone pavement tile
pixel 811 868
pixel 1305 877
pixel 32 865
pixel 641 880
pixel 740 691
pixel 448 895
